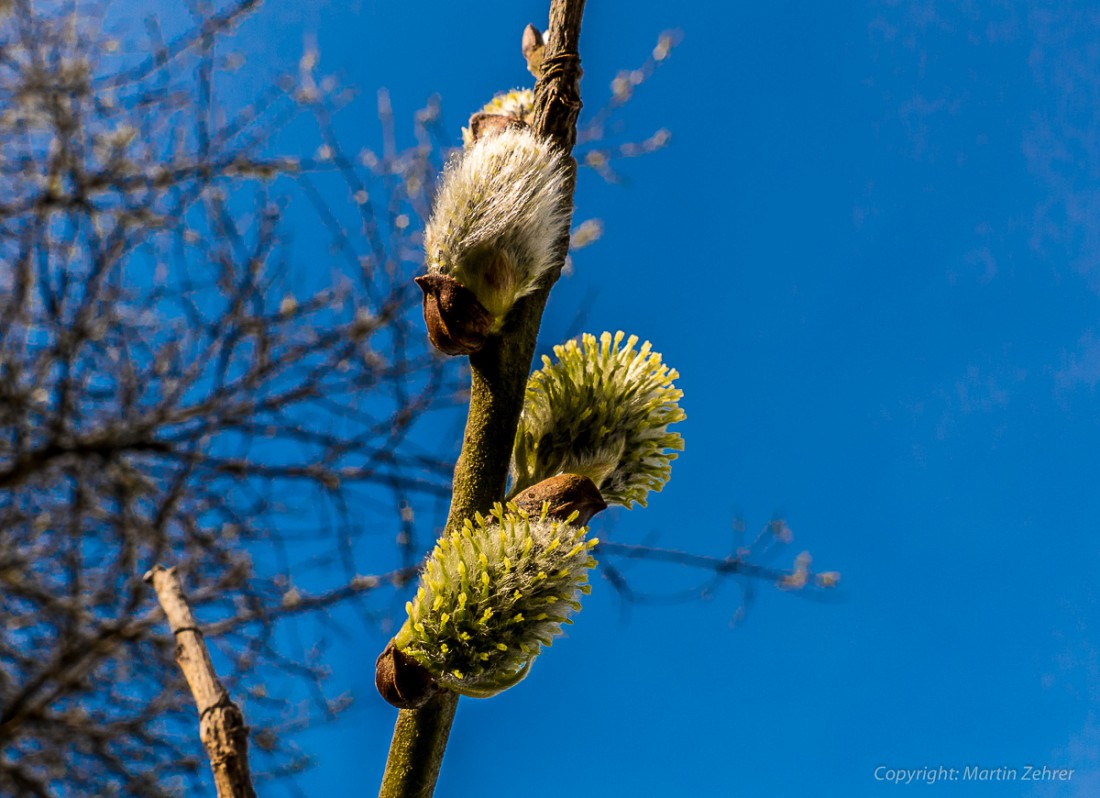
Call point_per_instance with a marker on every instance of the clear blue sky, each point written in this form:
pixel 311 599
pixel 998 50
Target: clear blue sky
pixel 872 250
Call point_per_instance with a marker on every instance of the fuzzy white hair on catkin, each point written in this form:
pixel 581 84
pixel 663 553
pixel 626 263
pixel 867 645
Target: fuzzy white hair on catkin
pixel 498 216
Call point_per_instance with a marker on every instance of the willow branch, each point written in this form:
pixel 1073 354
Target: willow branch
pixel 498 380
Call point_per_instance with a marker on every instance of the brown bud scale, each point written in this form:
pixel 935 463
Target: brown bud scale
pixel 401 680
pixel 483 125
pixel 567 493
pixel 458 324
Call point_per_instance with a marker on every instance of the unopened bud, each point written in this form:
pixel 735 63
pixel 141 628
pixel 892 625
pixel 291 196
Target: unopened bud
pixel 533 47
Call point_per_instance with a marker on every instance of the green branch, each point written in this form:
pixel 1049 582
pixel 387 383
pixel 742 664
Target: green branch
pixel 499 373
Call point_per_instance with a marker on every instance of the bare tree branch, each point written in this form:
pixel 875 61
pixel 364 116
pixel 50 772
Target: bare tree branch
pixel 221 722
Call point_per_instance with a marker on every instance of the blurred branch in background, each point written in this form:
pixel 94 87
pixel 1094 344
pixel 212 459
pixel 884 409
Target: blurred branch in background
pixel 181 382
pixel 748 564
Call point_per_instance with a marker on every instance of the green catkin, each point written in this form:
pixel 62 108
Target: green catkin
pixel 601 411
pixel 529 573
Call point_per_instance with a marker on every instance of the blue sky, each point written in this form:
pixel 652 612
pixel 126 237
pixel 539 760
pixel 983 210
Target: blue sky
pixel 872 250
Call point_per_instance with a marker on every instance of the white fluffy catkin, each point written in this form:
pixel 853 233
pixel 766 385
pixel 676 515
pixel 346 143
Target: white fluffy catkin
pixel 498 216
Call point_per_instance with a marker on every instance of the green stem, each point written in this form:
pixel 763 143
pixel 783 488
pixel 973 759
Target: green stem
pixel 419 740
pixel 498 381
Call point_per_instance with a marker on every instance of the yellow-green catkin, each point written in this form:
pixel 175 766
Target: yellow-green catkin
pixel 601 411
pixel 492 595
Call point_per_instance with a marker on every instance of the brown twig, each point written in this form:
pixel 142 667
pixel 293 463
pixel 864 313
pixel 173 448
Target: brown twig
pixel 221 723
